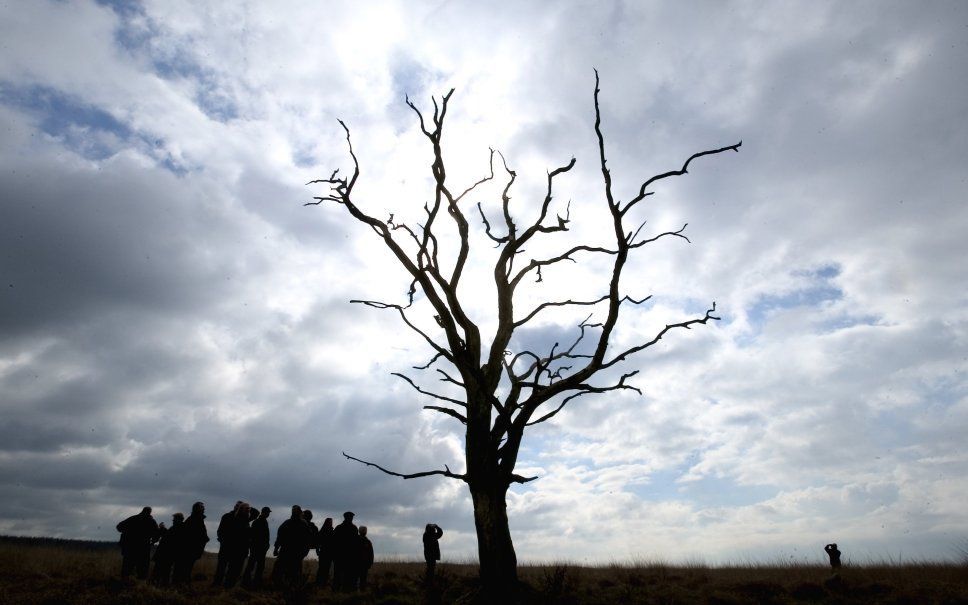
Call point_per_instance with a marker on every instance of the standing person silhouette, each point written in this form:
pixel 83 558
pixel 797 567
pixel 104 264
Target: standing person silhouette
pixel 168 546
pixel 236 540
pixel 834 554
pixel 223 535
pixel 191 548
pixel 324 550
pixel 431 544
pixel 313 534
pixel 292 539
pixel 138 532
pixel 258 547
pixel 364 557
pixel 346 537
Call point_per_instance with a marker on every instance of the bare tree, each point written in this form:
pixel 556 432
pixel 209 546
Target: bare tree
pixel 503 393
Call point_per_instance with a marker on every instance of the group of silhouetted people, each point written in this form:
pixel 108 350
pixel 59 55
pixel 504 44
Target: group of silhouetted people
pixel 244 539
pixel 344 547
pixel 179 546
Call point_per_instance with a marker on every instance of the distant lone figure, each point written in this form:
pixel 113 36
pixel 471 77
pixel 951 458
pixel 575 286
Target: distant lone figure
pixel 431 546
pixel 138 532
pixel 834 555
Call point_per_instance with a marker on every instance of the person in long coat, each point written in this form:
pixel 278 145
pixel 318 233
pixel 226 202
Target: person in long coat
pixel 168 546
pixel 224 550
pixel 431 544
pixel 313 535
pixel 365 557
pixel 324 550
pixel 138 532
pixel 346 537
pixel 236 541
pixel 191 547
pixel 292 538
pixel 258 547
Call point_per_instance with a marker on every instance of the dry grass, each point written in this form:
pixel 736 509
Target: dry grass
pixel 48 575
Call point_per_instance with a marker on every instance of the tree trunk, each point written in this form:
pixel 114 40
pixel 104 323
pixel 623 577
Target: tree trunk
pixel 499 565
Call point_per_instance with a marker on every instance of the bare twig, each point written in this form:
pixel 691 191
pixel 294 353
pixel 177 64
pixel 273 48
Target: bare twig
pixel 428 393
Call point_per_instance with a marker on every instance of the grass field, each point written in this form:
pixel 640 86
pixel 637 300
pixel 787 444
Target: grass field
pixel 48 574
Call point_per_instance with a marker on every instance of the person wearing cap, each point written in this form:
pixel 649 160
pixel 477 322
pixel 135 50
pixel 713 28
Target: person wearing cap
pixel 345 547
pixel 258 547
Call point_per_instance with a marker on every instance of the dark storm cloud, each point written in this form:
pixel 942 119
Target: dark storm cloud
pixel 93 243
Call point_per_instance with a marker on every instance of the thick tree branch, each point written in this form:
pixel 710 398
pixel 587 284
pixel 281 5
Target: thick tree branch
pixel 519 479
pixel 447 411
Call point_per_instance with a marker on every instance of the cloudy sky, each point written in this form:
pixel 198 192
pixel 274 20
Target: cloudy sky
pixel 175 324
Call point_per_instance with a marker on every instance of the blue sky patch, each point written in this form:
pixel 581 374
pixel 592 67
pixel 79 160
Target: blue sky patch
pixel 82 127
pixel 709 491
pixel 817 291
pixel 135 36
pixel 124 8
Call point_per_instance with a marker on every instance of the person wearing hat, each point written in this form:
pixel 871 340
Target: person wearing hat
pixel 258 547
pixel 345 547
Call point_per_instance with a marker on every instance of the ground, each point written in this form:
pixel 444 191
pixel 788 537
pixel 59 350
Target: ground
pixel 55 573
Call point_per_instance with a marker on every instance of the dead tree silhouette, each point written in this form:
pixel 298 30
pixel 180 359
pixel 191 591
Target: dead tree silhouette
pixel 503 393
